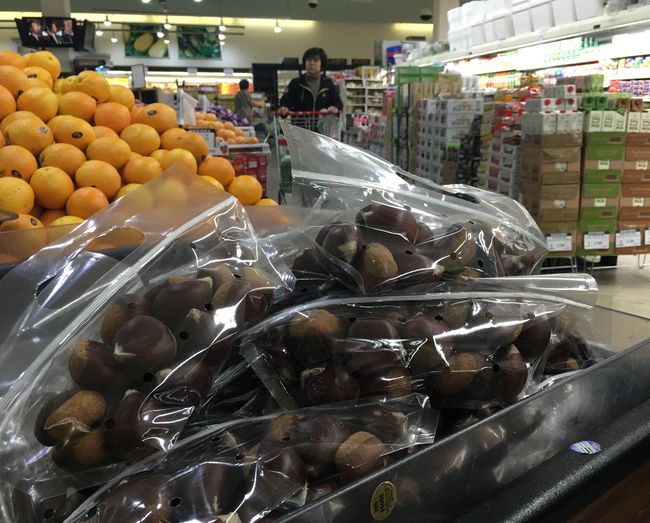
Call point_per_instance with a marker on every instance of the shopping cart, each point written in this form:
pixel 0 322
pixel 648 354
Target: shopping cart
pixel 324 123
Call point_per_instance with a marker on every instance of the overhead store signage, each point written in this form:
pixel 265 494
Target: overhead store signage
pixel 143 41
pixel 198 43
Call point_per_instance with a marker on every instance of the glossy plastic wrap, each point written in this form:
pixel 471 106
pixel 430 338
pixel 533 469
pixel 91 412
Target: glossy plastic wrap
pixel 264 468
pixel 467 350
pixel 105 361
pixel 466 231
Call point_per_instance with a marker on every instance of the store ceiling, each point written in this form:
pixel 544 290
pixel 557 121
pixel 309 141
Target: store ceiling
pixel 357 11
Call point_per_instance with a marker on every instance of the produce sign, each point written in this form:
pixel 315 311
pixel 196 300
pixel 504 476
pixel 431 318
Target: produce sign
pixel 142 40
pixel 198 42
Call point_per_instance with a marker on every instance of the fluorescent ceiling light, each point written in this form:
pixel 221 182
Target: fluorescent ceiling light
pixel 221 37
pixel 114 39
pixel 160 34
pixel 277 28
pixel 99 32
pixel 107 22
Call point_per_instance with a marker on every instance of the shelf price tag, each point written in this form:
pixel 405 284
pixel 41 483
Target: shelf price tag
pixel 638 202
pixel 628 238
pixel 600 202
pixel 603 165
pixel 596 241
pixel 560 242
pixel 559 204
pixel 642 165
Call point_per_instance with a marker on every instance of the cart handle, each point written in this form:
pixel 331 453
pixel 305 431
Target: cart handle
pixel 306 113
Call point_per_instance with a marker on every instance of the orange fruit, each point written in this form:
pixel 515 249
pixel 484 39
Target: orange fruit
pixel 159 155
pixel 170 138
pixel 122 95
pixel 86 201
pixel 226 134
pixel 229 125
pixel 35 82
pixel 19 115
pixel 46 60
pixel 212 181
pixel 66 219
pixel 99 174
pixel 39 73
pixel 170 192
pixel 13 79
pixel 231 141
pixel 141 170
pixel 41 101
pixel 126 189
pixel 52 187
pixel 93 84
pixel 103 132
pixel 218 168
pixel 179 156
pixel 62 155
pixel 67 84
pixel 246 189
pixel 58 84
pixel 251 140
pixel 77 104
pixel 17 161
pixel 2 139
pixel 135 111
pixel 50 215
pixel 12 58
pixel 7 103
pixel 239 140
pixel 36 211
pixel 16 195
pixel 267 202
pixel 143 139
pixel 23 222
pixel 112 115
pixel 196 144
pixel 210 117
pixel 159 116
pixel 110 150
pixel 30 134
pixel 72 130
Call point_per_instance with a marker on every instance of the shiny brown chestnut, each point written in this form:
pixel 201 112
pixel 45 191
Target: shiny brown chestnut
pixel 250 302
pixel 376 265
pixel 172 303
pixel 425 234
pixel 393 384
pixel 534 338
pixel 145 499
pixel 197 332
pixel 310 336
pixel 492 325
pixel 373 329
pixel 92 366
pixel 456 313
pixel 125 308
pixel 320 490
pixel 415 269
pixel 68 415
pixel 219 273
pixel 363 358
pixel 463 370
pixel 44 501
pixel 436 343
pixel 126 428
pixel 278 428
pixel 510 374
pixel 144 344
pixel 388 424
pixel 316 438
pixel 328 385
pixel 186 384
pixel 341 240
pixel 390 219
pixel 359 455
pixel 86 452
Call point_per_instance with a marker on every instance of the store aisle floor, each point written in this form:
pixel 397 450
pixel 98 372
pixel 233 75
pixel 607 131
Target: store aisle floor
pixel 625 288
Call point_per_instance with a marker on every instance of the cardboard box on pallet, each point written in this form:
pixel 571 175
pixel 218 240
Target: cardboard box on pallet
pixel 596 237
pixel 599 201
pixel 632 237
pixel 552 203
pixel 637 172
pixel 605 138
pixel 573 139
pixel 561 237
pixel 638 139
pixel 634 202
pixel 603 163
pixel 635 154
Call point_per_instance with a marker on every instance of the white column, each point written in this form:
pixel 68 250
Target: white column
pixel 440 25
pixel 59 8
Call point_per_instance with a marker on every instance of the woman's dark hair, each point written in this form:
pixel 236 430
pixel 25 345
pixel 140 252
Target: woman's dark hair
pixel 243 84
pixel 315 52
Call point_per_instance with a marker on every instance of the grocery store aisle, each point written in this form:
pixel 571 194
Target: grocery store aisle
pixel 625 288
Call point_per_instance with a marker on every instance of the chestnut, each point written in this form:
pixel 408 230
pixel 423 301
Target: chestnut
pixel 316 437
pixel 257 277
pixel 233 250
pixel 125 308
pixel 92 366
pixel 142 499
pixel 328 384
pixel 389 219
pixel 510 373
pixel 493 324
pixel 44 501
pixel 359 455
pixel 172 303
pixel 456 313
pixel 534 337
pixel 463 370
pixel 373 329
pixel 86 452
pixel 68 415
pixel 364 358
pixel 424 234
pixel 388 424
pixel 219 273
pixel 341 240
pixel 130 422
pixel 144 344
pixel 279 427
pixel 196 333
pixel 315 492
pixel 434 343
pixel 393 383
pixel 309 262
pixel 417 269
pixel 249 302
pixel 310 336
pixel 376 265
pixel 187 384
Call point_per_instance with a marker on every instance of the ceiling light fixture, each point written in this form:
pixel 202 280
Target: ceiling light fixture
pixel 198 1
pixel 166 40
pixel 113 39
pixel 160 34
pixel 99 32
pixel 107 22
pixel 223 42
pixel 222 27
pixel 277 28
pixel 145 1
pixel 167 25
pixel 221 37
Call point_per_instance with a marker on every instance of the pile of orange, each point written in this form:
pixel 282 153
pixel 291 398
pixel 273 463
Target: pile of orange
pixel 226 131
pixel 71 146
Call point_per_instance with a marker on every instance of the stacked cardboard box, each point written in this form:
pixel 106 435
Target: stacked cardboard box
pixel 549 167
pixel 487 122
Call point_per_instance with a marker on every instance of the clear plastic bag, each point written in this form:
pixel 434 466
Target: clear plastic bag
pixel 265 467
pixel 111 358
pixel 466 350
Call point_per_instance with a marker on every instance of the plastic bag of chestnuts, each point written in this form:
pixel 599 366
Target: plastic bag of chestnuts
pixel 262 468
pixel 122 379
pixel 465 350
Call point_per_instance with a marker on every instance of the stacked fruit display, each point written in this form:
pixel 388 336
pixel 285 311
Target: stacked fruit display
pixel 226 131
pixel 70 146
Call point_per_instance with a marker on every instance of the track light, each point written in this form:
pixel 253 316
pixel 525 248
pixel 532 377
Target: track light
pixel 99 32
pixel 277 28
pixel 167 25
pixel 160 34
pixel 113 39
pixel 222 27
pixel 107 22
pixel 221 37
pixel 166 40
pixel 223 42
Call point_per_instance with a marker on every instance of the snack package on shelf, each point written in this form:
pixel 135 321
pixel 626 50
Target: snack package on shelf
pixel 263 468
pixel 105 361
pixel 381 221
pixel 468 349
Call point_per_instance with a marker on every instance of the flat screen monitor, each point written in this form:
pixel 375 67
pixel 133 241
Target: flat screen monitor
pixel 47 32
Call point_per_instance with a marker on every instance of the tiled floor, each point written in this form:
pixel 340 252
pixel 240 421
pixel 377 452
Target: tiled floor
pixel 626 288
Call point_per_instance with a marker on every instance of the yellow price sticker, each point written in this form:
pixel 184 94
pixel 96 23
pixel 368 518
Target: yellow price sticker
pixel 383 501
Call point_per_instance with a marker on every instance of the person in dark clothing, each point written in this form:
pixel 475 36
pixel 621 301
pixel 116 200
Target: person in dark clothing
pixel 311 91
